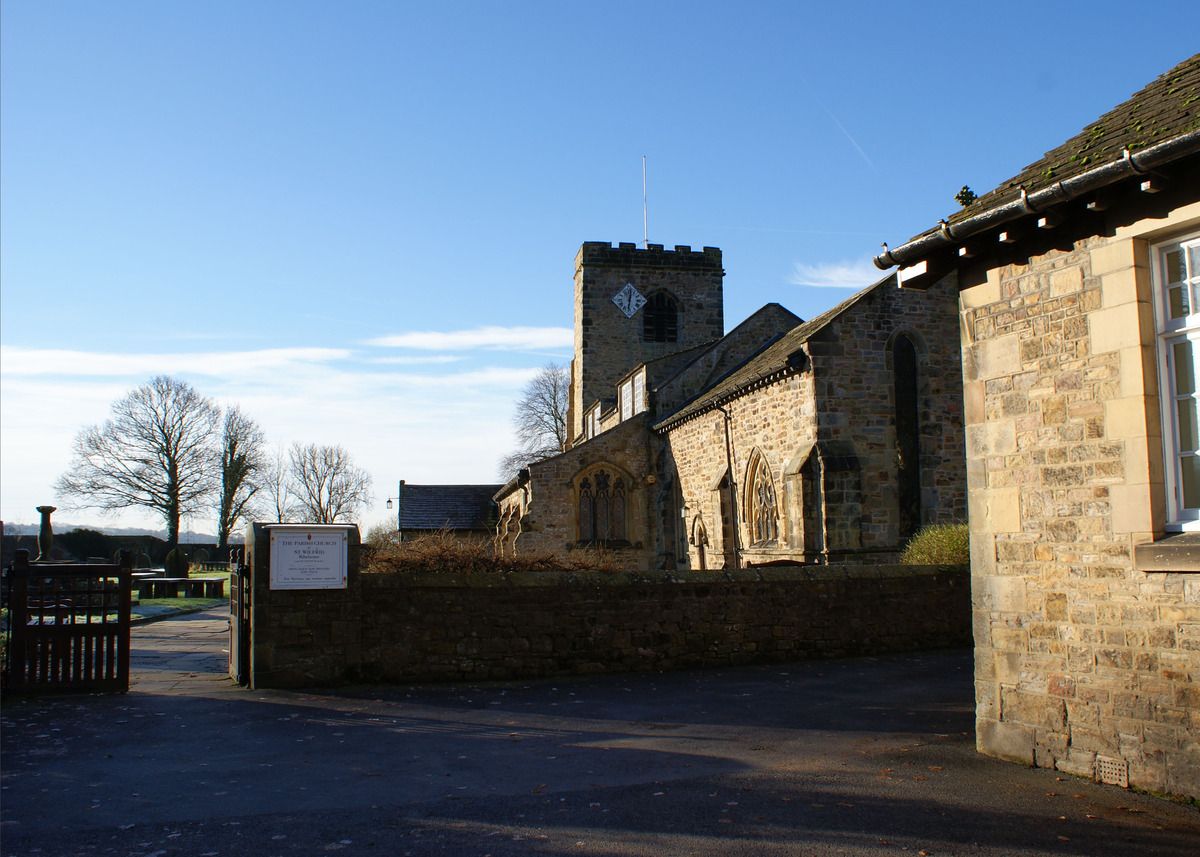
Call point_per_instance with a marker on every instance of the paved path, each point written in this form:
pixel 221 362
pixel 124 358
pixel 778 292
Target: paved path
pixel 872 756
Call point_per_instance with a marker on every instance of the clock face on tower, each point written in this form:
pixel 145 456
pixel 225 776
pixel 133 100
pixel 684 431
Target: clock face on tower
pixel 629 300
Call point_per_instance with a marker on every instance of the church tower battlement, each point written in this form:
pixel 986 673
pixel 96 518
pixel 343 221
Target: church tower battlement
pixel 635 305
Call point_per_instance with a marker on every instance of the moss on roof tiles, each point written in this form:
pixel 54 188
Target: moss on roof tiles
pixel 1167 108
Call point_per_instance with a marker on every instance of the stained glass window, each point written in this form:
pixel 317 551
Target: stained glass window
pixel 763 512
pixel 602 508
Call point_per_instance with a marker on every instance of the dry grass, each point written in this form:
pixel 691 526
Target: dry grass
pixel 939 544
pixel 445 553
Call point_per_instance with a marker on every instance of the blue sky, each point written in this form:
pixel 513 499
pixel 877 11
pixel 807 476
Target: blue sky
pixel 358 220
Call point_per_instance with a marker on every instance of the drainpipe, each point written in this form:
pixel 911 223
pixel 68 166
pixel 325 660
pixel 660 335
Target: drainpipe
pixel 733 498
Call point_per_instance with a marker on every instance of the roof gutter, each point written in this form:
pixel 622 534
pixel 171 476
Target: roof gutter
pixel 521 479
pixel 1128 165
pixel 796 362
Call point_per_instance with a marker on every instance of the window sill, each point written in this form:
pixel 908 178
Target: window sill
pixel 1179 552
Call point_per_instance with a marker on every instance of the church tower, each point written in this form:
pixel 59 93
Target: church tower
pixel 636 305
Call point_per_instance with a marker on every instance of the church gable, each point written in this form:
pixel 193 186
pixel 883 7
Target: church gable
pixel 826 433
pixel 599 493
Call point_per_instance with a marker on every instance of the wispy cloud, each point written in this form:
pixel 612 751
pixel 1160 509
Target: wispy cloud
pixel 836 275
pixel 496 338
pixel 30 362
pixel 416 360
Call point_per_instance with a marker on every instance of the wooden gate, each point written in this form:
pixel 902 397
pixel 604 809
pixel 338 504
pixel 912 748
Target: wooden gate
pixel 68 626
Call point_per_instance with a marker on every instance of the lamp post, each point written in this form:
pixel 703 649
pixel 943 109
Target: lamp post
pixel 399 510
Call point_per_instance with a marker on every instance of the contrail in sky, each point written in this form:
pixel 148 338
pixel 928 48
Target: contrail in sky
pixel 848 137
pixel 838 122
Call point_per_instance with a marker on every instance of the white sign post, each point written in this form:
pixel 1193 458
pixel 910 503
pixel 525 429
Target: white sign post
pixel 309 557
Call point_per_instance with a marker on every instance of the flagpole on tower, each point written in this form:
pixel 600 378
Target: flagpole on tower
pixel 645 227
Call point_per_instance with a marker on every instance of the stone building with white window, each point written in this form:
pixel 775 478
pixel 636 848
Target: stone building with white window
pixel 1079 282
pixel 779 441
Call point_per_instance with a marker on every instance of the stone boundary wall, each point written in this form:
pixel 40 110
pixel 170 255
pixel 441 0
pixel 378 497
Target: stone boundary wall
pixel 411 628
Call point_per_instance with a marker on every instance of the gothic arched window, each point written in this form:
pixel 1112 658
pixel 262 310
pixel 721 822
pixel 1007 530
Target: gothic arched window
pixel 602 508
pixel 908 434
pixel 660 318
pixel 762 511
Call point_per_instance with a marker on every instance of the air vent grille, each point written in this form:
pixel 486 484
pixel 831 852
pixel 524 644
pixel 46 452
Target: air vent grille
pixel 1114 772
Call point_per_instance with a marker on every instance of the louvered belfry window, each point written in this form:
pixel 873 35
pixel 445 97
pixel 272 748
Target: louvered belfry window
pixel 660 319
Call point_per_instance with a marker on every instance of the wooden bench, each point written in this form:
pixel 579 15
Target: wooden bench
pixel 189 587
pixel 210 566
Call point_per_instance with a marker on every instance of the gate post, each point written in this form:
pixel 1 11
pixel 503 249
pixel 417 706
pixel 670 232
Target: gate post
pixel 304 622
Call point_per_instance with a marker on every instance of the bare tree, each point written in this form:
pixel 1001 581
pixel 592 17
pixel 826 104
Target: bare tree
pixel 326 484
pixel 279 501
pixel 540 419
pixel 154 452
pixel 243 468
pixel 384 533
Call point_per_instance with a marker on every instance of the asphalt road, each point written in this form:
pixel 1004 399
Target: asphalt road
pixel 871 756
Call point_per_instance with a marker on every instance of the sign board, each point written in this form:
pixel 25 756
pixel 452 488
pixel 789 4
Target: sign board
pixel 312 557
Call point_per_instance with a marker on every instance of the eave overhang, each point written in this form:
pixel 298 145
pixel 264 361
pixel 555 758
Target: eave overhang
pixel 927 258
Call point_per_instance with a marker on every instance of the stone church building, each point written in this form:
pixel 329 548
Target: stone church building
pixel 782 440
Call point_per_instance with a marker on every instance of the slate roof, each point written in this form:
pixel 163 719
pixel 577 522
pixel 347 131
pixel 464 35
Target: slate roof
pixel 1166 108
pixel 1160 123
pixel 731 347
pixel 662 368
pixel 447 507
pixel 781 356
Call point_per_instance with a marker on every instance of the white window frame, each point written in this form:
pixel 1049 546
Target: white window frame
pixel 1172 332
pixel 626 400
pixel 639 392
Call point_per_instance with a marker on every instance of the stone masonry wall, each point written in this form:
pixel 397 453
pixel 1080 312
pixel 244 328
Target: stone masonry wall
pixel 416 628
pixel 854 388
pixel 1080 657
pixel 776 420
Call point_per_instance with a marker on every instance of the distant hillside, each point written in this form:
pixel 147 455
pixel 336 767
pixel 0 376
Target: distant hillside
pixel 11 529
